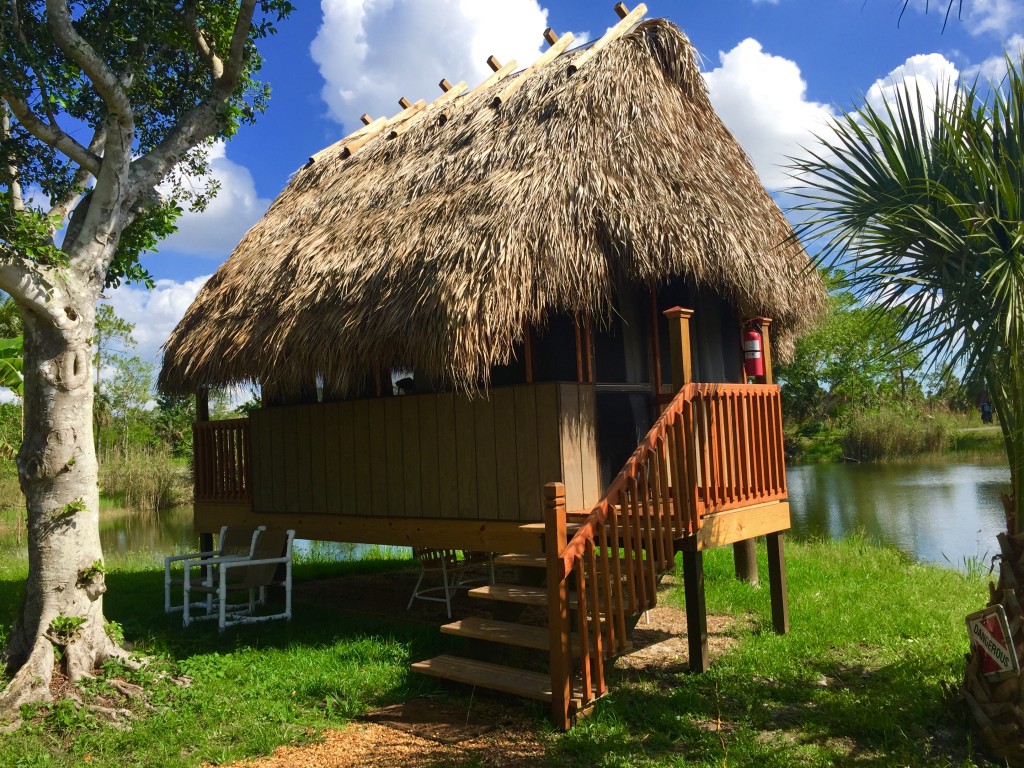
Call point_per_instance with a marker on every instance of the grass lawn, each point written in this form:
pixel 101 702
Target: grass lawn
pixel 862 679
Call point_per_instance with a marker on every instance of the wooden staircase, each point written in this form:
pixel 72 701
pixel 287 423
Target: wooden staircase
pixel 714 448
pixel 532 568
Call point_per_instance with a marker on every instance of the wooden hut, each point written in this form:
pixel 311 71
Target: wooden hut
pixel 466 324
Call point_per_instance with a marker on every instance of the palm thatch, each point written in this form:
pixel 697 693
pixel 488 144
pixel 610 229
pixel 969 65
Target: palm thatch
pixel 432 248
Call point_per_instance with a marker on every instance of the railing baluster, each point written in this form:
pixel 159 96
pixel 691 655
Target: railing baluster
pixel 735 427
pixel 648 540
pixel 636 534
pixel 665 510
pixel 615 557
pixel 583 626
pixel 771 479
pixel 745 448
pixel 600 686
pixel 608 626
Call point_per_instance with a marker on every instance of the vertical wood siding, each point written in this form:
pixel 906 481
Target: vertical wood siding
pixel 435 456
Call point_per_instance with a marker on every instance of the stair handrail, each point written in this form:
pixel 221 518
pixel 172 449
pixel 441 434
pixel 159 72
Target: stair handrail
pixel 702 455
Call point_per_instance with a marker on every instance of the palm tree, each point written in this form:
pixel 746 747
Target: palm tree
pixel 922 207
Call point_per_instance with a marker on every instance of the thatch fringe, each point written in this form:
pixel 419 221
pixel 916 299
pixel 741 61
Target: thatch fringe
pixel 434 248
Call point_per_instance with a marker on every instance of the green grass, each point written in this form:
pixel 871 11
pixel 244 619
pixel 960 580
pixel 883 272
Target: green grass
pixel 861 678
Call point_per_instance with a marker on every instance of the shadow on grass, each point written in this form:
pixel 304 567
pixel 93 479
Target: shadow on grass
pixel 833 714
pixel 331 602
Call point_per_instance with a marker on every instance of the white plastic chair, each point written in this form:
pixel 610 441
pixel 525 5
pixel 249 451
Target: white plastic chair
pixel 233 541
pixel 446 564
pixel 271 550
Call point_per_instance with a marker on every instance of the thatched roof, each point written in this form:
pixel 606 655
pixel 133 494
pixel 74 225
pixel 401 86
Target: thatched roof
pixel 434 244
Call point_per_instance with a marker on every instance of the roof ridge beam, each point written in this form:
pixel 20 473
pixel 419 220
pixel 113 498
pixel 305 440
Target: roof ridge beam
pixel 627 20
pixel 546 58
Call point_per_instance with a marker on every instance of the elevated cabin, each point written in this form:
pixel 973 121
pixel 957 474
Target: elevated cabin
pixel 487 314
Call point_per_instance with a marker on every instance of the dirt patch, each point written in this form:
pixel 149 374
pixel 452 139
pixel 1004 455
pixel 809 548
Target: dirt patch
pixel 431 719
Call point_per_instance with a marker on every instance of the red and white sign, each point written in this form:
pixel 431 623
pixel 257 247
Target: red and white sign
pixel 991 640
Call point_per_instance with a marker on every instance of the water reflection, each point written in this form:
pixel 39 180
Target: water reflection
pixel 144 535
pixel 125 532
pixel 938 513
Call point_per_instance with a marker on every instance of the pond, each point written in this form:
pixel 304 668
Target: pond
pixel 944 513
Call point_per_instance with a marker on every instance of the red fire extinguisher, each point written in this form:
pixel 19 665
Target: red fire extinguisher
pixel 753 353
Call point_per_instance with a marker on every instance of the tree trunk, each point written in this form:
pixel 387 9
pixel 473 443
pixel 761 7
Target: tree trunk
pixel 57 468
pixel 996 707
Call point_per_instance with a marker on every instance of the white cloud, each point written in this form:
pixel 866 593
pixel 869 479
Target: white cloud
pixel 993 69
pixel 919 74
pixel 995 16
pixel 763 101
pixel 155 312
pixel 372 52
pixel 766 2
pixel 216 231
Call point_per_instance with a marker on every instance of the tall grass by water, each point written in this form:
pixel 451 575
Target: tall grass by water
pixel 145 477
pixel 892 432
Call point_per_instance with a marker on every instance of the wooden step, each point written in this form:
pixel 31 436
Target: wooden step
pixel 529 685
pixel 522 560
pixel 507 632
pixel 513 593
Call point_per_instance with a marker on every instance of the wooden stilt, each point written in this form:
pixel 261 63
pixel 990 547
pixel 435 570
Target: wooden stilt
pixel 558 605
pixel 777 582
pixel 696 611
pixel 744 557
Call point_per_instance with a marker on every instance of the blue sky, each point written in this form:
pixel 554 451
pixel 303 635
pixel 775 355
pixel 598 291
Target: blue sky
pixel 776 70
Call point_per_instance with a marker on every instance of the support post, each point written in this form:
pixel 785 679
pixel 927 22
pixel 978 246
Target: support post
pixel 696 610
pixel 744 560
pixel 203 414
pixel 744 553
pixel 679 340
pixel 203 404
pixel 777 582
pixel 558 605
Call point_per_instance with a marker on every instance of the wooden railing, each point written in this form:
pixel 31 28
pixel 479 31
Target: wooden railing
pixel 715 447
pixel 221 456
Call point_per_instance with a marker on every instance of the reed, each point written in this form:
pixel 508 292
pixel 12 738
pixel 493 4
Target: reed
pixel 892 432
pixel 147 478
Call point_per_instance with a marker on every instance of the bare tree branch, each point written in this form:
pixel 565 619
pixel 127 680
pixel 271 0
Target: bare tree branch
pixel 236 55
pixel 52 134
pixel 75 47
pixel 202 42
pixel 44 92
pixel 10 170
pixel 62 206
pixel 202 121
